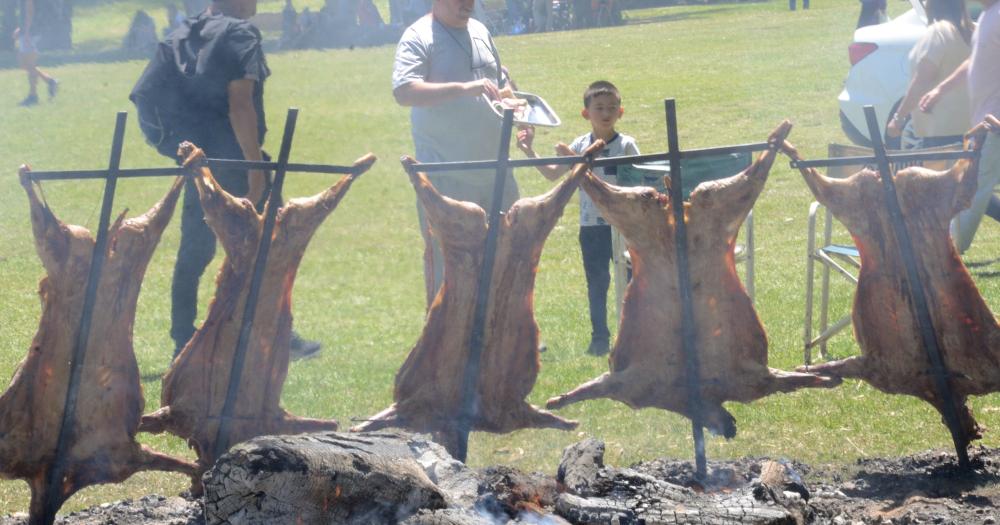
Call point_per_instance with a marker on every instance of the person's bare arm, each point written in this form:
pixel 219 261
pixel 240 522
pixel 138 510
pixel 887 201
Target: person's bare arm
pixel 525 138
pixel 955 79
pixel 922 82
pixel 423 93
pixel 243 118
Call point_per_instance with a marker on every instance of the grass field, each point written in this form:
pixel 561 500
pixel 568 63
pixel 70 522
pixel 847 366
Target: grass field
pixel 736 71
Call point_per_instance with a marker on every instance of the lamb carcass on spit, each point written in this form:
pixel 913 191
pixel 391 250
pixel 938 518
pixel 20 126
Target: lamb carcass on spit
pixel 194 389
pixel 647 362
pixel 893 358
pixel 427 395
pixel 102 446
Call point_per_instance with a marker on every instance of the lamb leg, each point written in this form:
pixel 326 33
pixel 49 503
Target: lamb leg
pixel 852 367
pixel 604 385
pixel 782 381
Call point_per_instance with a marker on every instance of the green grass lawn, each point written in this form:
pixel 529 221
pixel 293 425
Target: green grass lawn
pixel 736 71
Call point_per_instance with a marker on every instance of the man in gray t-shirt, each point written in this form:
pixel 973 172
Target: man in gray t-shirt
pixel 445 62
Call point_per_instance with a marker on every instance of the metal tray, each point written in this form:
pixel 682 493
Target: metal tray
pixel 538 112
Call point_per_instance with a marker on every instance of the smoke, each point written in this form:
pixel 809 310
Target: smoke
pixel 490 512
pixel 534 518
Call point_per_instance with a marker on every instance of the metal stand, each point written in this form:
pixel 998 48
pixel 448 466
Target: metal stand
pixel 53 493
pixel 52 499
pixel 260 263
pixel 916 288
pixel 470 400
pixel 692 365
pixel 470 379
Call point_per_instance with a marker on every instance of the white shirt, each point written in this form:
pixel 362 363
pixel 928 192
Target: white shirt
pixel 619 146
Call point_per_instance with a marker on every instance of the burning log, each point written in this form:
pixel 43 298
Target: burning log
pixel 893 358
pixel 371 479
pixel 428 392
pixel 194 389
pixel 647 361
pixel 329 478
pixel 642 494
pixel 102 446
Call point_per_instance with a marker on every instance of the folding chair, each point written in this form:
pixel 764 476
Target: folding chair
pixel 695 171
pixel 840 258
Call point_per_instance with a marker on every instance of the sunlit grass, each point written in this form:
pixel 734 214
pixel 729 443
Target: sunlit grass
pixel 736 71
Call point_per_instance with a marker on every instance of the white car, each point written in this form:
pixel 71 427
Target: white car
pixel 880 72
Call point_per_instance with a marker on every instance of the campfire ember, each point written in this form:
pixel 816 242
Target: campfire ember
pixel 893 358
pixel 428 396
pixel 647 361
pixel 102 446
pixel 194 389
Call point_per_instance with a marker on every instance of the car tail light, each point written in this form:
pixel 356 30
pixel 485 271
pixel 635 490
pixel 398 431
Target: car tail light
pixel 859 50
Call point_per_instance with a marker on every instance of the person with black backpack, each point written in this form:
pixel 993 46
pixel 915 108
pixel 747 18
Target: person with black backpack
pixel 205 85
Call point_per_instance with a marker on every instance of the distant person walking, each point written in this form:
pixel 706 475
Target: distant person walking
pixel 872 13
pixel 981 72
pixel 27 55
pixel 791 4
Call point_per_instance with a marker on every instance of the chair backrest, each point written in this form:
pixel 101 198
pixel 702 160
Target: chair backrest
pixel 695 171
pixel 849 150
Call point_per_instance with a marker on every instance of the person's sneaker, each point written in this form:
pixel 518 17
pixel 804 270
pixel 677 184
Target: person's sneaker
pixel 599 346
pixel 29 100
pixel 300 348
pixel 53 87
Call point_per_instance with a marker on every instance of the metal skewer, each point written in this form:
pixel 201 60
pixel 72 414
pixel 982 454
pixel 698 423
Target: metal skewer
pixel 52 499
pixel 692 365
pixel 925 323
pixel 239 358
pixel 470 379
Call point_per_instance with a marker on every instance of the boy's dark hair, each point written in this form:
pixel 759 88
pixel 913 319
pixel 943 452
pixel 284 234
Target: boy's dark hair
pixel 601 87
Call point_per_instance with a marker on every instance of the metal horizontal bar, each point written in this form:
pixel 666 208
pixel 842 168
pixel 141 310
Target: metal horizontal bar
pixel 175 170
pixel 601 162
pixel 103 174
pixel 724 150
pixel 894 158
pixel 290 168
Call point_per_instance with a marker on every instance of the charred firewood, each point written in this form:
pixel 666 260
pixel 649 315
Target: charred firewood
pixel 194 389
pixel 647 361
pixel 428 392
pixel 893 357
pixel 102 446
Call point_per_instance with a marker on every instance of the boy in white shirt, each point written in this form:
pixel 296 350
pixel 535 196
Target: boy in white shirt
pixel 602 107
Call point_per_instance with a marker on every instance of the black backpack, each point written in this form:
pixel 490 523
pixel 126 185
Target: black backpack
pixel 159 101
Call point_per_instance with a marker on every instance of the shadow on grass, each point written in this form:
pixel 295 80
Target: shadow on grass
pixel 8 60
pixel 982 269
pixel 676 17
pixel 152 376
pixel 640 5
